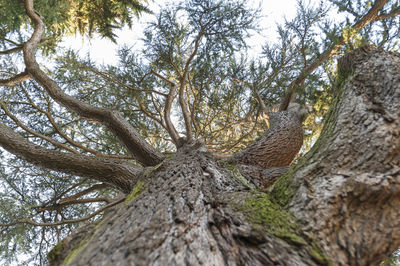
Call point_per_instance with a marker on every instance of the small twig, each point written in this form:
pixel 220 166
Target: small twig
pixel 65 221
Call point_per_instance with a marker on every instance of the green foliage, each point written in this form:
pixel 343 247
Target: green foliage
pixel 72 16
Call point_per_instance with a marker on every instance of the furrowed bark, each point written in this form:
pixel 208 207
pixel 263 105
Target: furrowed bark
pixel 345 190
pixel 136 145
pixel 118 174
pixel 182 215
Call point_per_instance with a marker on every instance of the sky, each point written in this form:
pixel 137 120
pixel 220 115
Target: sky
pixel 104 51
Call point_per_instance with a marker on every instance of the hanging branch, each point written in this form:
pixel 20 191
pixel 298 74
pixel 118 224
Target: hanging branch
pixel 139 148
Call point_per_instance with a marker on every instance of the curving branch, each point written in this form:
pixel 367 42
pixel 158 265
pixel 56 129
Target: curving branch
pixel 371 16
pixel 118 174
pixel 183 81
pixel 139 148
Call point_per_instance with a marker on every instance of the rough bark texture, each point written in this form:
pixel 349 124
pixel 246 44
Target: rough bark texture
pixel 192 210
pixel 346 190
pixel 186 215
pixel 280 143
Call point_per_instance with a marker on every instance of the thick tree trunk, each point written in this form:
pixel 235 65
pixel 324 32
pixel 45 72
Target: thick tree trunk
pixel 342 196
pixel 187 214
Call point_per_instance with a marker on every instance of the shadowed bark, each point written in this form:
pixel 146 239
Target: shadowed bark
pixel 343 195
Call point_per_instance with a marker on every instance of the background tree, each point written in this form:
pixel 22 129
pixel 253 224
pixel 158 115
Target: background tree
pixel 99 133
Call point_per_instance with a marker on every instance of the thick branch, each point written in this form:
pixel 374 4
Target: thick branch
pixel 346 188
pixel 167 116
pixel 118 174
pixel 140 149
pixel 368 18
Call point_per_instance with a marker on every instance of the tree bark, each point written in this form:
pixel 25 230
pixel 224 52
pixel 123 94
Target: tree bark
pixel 345 191
pixel 337 205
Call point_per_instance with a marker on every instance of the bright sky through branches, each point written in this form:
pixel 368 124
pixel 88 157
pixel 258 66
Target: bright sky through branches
pixel 105 51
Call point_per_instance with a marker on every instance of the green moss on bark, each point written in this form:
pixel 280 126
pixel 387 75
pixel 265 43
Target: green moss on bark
pixel 82 245
pixel 136 191
pixel 263 213
pixel 266 215
pixel 55 251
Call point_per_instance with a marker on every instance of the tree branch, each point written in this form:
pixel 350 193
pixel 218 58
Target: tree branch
pixel 118 174
pixel 34 133
pixel 10 51
pixel 83 192
pixel 54 200
pixel 66 221
pixel 182 101
pixel 167 116
pixel 389 15
pixel 59 206
pixel 365 20
pixel 114 79
pixel 139 148
pixel 15 79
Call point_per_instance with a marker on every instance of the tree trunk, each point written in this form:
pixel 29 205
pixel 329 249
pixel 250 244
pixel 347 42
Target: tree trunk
pixel 337 205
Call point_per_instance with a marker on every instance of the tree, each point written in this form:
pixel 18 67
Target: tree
pixel 172 192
